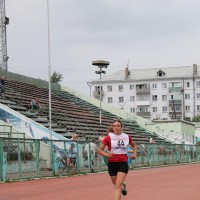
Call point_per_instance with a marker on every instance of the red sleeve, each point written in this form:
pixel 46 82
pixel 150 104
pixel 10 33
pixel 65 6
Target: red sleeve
pixel 130 139
pixel 106 140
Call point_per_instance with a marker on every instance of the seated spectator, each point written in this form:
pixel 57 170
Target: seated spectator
pixel 152 141
pixel 74 137
pixel 2 88
pixel 35 104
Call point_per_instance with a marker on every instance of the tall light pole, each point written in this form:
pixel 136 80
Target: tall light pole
pixel 49 74
pixel 3 37
pixel 100 64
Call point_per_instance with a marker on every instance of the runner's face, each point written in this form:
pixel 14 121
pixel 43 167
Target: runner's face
pixel 117 128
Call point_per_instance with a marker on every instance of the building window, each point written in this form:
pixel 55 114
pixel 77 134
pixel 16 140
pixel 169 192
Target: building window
pixel 110 100
pixel 97 89
pixel 109 88
pixel 121 99
pixel 187 119
pixel 177 108
pixel 172 96
pixel 121 88
pixel 187 108
pixel 187 96
pixel 188 84
pixel 198 95
pixel 164 97
pixel 154 86
pixel 198 107
pixel 131 87
pixel 132 110
pixel 164 85
pixel 198 83
pixel 142 86
pixel 154 109
pixel 183 136
pixel 132 98
pixel 154 97
pixel 175 84
pixel 142 109
pixel 164 108
pixel 160 73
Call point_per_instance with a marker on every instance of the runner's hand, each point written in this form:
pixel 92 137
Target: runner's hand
pixel 133 156
pixel 109 154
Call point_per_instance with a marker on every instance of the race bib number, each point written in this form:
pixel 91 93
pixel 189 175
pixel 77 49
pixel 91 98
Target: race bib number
pixel 119 143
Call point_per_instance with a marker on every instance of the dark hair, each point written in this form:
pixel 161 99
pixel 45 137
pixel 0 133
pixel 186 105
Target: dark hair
pixel 110 129
pixel 117 120
pixel 72 144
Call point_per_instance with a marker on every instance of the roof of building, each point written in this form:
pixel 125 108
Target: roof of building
pixel 154 73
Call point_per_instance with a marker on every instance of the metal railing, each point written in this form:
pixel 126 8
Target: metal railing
pixel 28 158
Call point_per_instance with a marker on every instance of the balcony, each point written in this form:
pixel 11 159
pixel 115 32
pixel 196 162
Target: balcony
pixel 142 90
pixel 144 114
pixel 175 89
pixel 175 102
pixel 96 94
pixel 143 103
pixel 176 115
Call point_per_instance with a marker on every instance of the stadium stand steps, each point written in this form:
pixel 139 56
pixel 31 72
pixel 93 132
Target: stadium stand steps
pixel 130 125
pixel 69 113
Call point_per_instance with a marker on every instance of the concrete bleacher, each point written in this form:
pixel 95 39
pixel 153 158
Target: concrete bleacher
pixel 69 112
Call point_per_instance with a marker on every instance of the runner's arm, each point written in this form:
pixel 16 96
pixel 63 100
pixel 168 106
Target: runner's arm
pixel 102 152
pixel 134 147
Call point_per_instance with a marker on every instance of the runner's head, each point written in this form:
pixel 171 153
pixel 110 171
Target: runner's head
pixel 117 126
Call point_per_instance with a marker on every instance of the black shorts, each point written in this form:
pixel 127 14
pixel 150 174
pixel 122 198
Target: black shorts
pixel 114 167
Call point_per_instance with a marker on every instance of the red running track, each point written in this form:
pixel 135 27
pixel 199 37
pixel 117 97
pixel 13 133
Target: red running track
pixel 167 183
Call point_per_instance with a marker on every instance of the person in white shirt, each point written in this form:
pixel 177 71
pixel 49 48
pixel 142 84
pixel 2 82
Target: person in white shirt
pixel 90 151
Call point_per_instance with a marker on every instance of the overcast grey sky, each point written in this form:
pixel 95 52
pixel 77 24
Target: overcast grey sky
pixel 154 33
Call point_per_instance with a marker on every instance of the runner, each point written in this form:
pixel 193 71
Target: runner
pixel 117 157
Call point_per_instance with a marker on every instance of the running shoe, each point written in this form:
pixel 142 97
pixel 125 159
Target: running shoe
pixel 124 190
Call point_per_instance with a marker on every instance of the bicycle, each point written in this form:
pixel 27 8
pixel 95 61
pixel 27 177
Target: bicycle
pixel 61 165
pixel 71 165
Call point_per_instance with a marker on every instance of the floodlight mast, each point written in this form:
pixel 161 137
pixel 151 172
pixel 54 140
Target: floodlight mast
pixel 100 64
pixel 49 77
pixel 3 41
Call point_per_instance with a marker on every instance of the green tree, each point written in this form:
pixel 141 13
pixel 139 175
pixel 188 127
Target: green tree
pixel 56 77
pixel 196 118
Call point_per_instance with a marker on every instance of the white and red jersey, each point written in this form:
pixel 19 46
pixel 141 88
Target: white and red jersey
pixel 117 146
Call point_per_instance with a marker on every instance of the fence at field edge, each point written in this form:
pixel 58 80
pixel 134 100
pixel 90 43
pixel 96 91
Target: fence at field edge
pixel 27 158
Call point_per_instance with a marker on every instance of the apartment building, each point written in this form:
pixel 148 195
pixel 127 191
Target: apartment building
pixel 155 93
